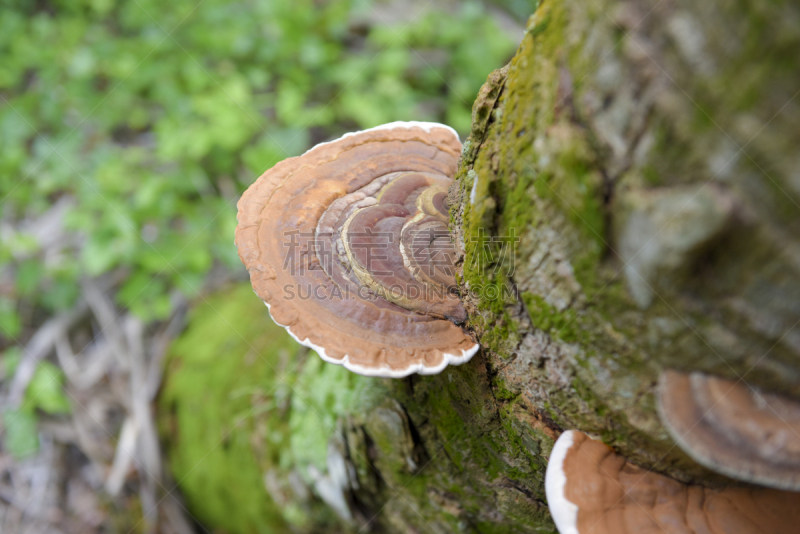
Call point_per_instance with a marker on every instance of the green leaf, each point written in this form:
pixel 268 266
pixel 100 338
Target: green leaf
pixel 10 325
pixel 99 255
pixel 29 274
pixel 21 436
pixel 146 296
pixel 61 293
pixel 46 390
pixel 11 358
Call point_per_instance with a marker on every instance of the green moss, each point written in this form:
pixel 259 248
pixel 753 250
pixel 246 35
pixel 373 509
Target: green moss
pixel 522 445
pixel 545 317
pixel 509 182
pixel 501 392
pixel 221 386
pixel 539 23
pixel 242 398
pixel 322 394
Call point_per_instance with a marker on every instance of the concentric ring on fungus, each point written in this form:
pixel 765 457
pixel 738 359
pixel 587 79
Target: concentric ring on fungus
pixel 348 247
pixel 732 428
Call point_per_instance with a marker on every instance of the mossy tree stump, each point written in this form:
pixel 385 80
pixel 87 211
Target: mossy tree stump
pixel 627 202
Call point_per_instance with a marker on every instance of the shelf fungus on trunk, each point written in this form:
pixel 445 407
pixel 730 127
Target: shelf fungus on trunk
pixel 732 428
pixel 592 490
pixel 348 245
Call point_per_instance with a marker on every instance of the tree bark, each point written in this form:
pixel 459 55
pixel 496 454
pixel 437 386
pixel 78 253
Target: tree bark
pixel 644 154
pixel 626 203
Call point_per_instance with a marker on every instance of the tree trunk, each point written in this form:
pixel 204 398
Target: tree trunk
pixel 626 203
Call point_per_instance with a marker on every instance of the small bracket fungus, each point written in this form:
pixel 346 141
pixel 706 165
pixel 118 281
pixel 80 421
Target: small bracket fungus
pixel 733 429
pixel 592 490
pixel 349 248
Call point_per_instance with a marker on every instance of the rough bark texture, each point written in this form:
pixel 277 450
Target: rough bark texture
pixel 645 156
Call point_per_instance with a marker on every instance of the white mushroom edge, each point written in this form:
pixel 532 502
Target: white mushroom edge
pixel 384 372
pixel 427 126
pixel 564 511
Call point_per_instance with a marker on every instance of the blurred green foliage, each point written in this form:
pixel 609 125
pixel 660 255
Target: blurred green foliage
pixel 44 393
pixel 152 117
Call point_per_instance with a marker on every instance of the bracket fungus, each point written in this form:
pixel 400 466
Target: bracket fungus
pixel 733 429
pixel 348 246
pixel 592 490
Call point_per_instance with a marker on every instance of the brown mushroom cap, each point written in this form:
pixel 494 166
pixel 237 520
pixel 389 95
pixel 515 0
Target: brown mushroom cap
pixel 349 248
pixel 732 428
pixel 592 490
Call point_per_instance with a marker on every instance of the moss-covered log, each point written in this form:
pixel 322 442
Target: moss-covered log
pixel 627 202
